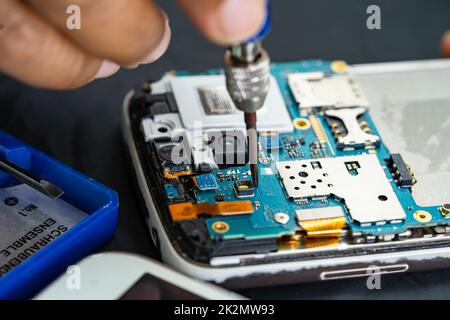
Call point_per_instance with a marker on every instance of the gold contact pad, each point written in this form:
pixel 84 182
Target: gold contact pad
pixel 331 227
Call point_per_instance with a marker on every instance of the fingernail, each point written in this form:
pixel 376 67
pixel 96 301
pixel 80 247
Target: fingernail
pixel 161 47
pixel 107 69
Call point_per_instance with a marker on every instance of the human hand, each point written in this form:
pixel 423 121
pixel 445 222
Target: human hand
pixel 446 44
pixel 37 48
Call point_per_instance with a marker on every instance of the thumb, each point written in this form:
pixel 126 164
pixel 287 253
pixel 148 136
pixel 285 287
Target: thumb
pixel 226 21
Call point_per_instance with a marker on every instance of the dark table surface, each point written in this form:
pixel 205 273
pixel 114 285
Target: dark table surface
pixel 82 127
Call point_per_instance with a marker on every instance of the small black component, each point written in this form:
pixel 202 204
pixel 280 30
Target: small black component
pixel 317 150
pixel 172 153
pixel 147 104
pixel 293 146
pixel 445 209
pixel 316 165
pixel 204 167
pixel 315 145
pixel 219 197
pixel 229 147
pixel 197 243
pixel 244 188
pixel 161 104
pixel 165 152
pixel 401 172
pixel 188 183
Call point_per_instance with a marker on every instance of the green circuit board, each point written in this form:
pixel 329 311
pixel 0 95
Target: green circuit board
pixel 332 137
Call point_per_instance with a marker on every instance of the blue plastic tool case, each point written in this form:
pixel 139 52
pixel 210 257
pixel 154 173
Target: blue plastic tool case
pixel 99 202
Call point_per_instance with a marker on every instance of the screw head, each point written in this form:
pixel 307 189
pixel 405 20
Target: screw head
pixel 281 217
pixel 220 227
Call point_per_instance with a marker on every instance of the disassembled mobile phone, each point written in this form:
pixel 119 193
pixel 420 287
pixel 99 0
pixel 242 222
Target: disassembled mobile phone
pixel 332 199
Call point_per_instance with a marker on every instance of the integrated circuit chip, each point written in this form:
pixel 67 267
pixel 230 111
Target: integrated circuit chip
pixel 206 182
pixel 204 98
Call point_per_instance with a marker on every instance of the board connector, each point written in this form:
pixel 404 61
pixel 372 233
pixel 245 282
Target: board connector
pixel 402 173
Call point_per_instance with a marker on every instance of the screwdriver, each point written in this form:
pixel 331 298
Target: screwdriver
pixel 247 76
pixel 28 178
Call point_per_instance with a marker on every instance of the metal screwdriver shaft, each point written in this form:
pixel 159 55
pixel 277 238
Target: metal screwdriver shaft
pixel 250 122
pixel 247 71
pixel 28 178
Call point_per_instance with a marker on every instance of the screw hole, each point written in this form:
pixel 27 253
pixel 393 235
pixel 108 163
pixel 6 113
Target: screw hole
pixel 382 198
pixel 292 177
pixel 302 124
pixel 296 188
pixel 220 226
pixel 162 129
pixel 313 186
pixel 303 174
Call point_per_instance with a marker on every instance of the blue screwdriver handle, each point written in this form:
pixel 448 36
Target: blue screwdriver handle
pixel 265 27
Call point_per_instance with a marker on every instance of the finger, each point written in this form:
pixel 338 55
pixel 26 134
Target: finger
pixel 446 44
pixel 226 21
pixel 33 52
pixel 124 31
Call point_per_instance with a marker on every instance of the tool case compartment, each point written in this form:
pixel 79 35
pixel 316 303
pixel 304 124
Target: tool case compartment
pixel 99 203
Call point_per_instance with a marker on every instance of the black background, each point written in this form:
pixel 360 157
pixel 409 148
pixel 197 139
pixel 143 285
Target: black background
pixel 82 127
